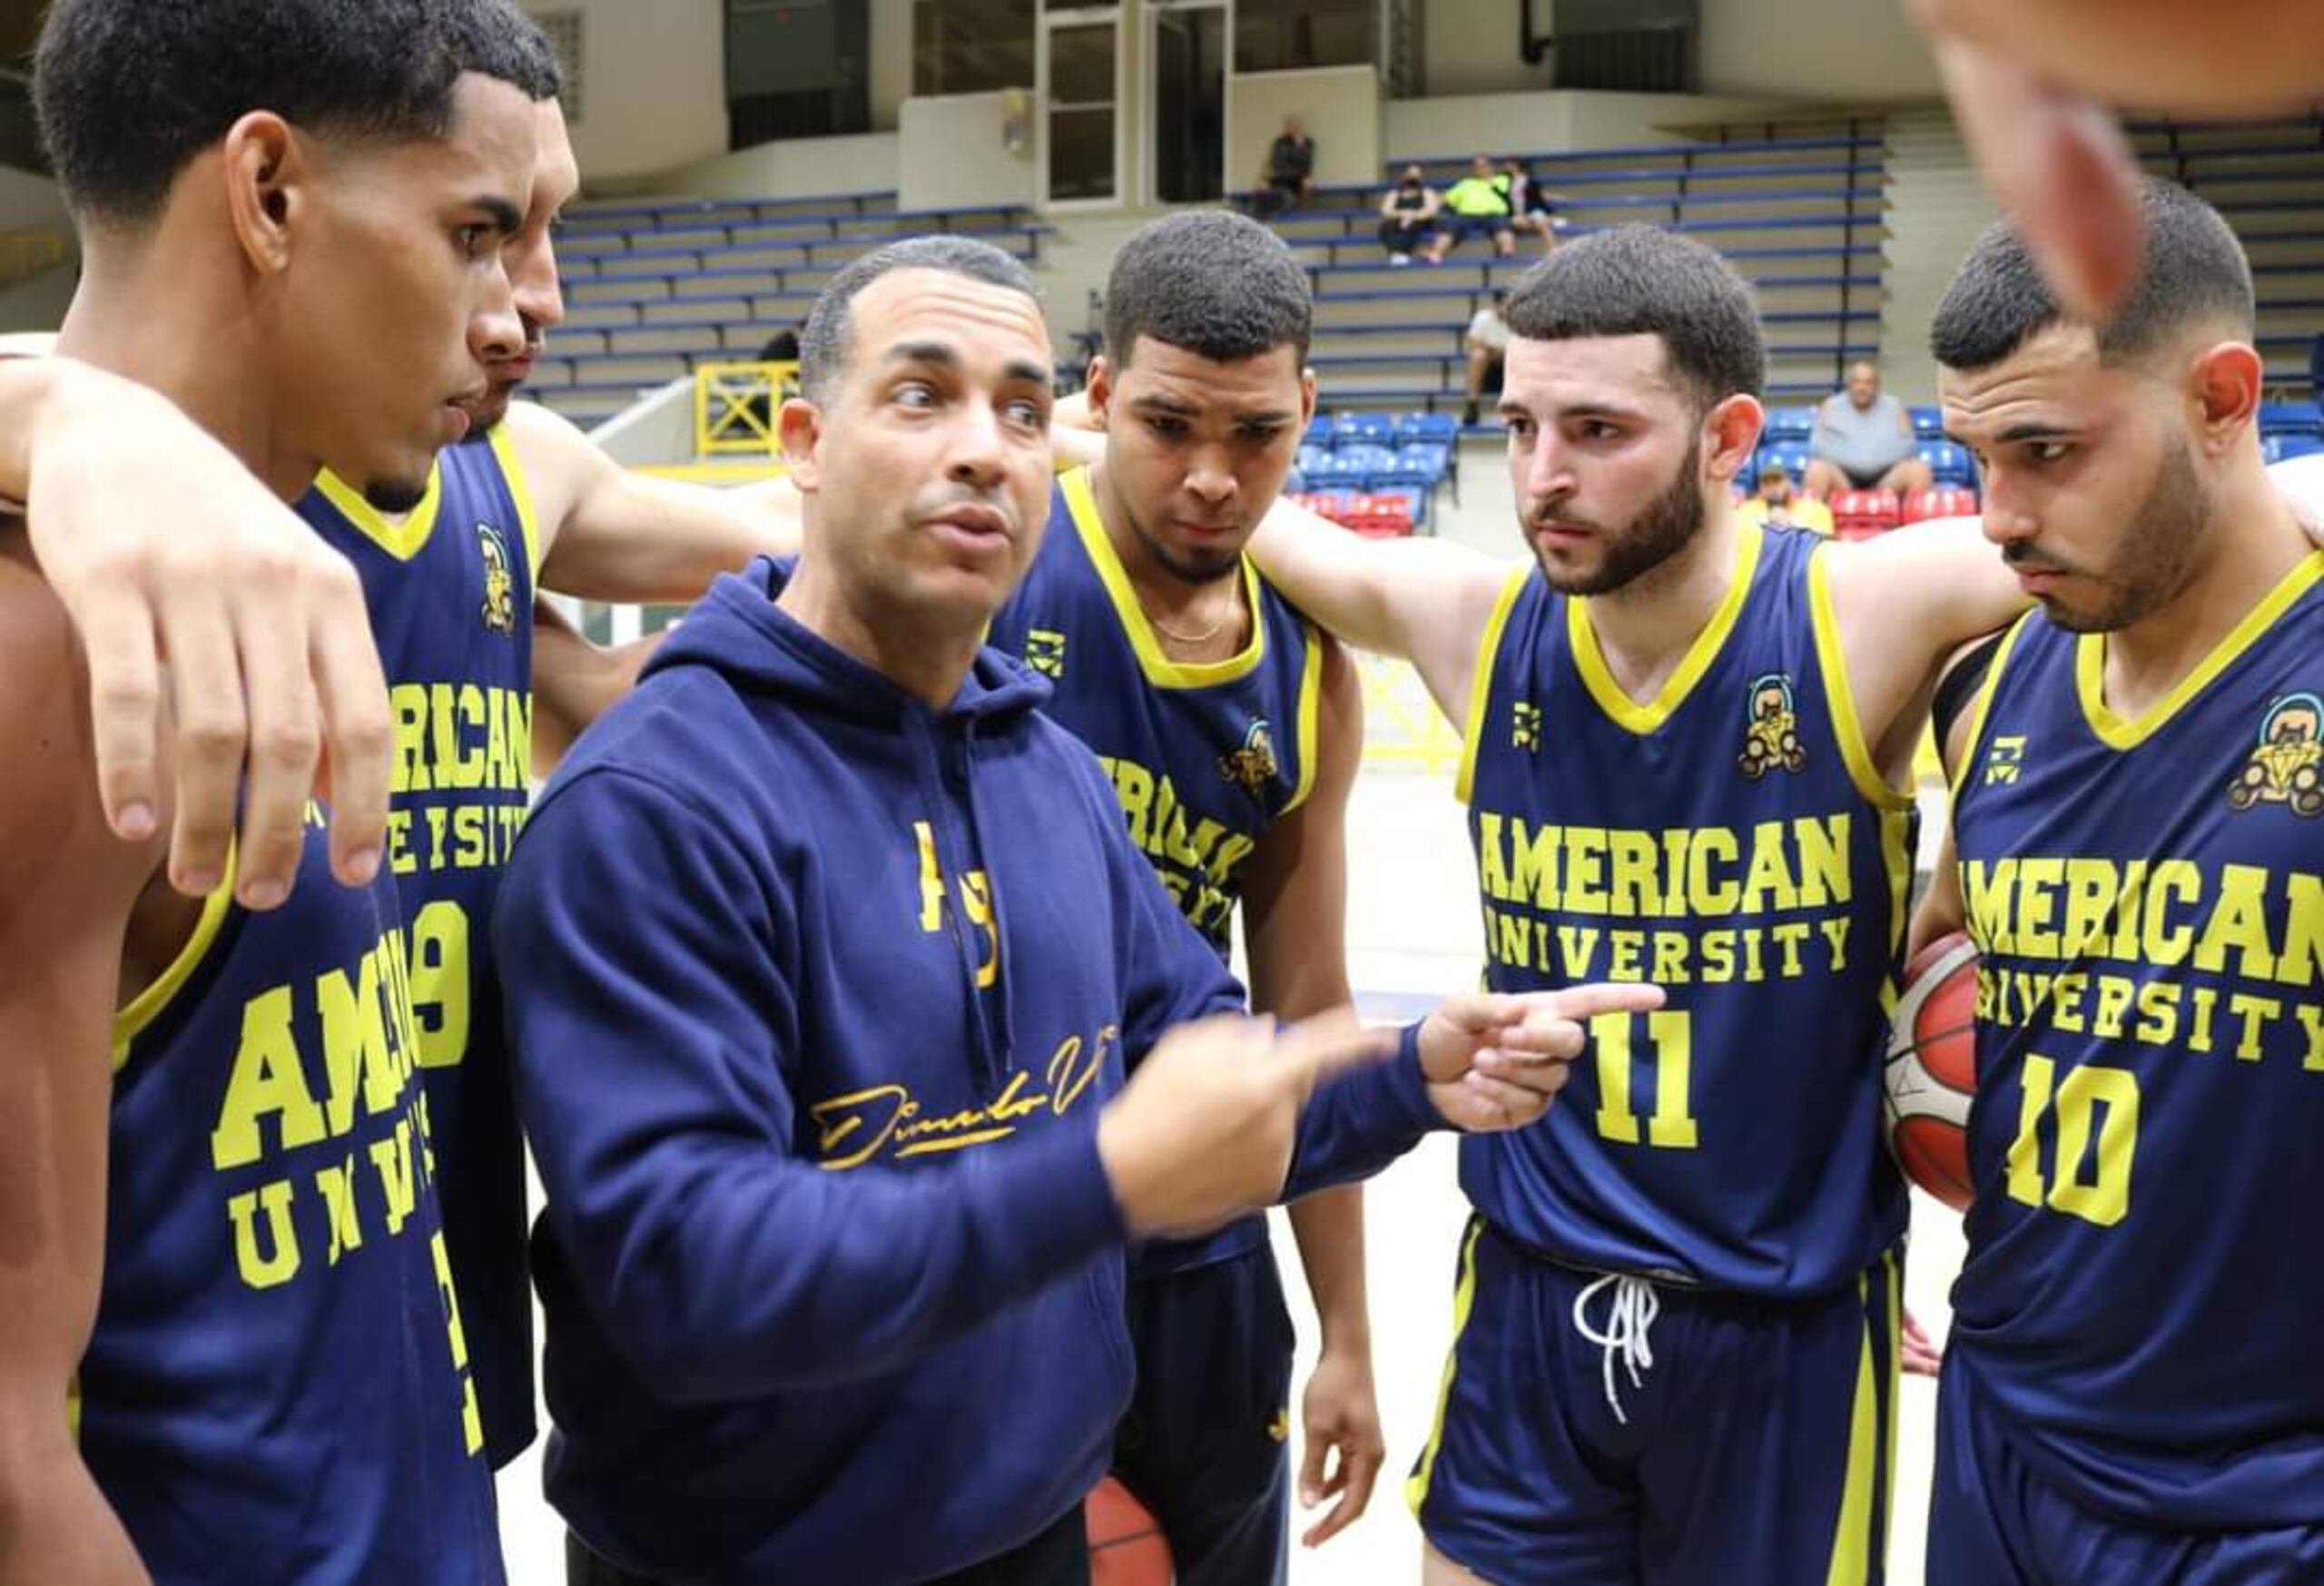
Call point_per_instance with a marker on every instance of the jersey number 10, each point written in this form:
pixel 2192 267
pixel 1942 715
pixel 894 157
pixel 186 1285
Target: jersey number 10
pixel 2097 1192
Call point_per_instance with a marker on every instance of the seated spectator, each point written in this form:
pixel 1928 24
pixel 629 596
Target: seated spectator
pixel 1408 215
pixel 1487 344
pixel 1864 440
pixel 1289 179
pixel 1477 205
pixel 1531 208
pixel 1778 506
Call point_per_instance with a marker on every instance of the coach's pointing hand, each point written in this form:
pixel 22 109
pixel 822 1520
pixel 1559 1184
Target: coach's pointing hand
pixel 1206 1127
pixel 1495 1061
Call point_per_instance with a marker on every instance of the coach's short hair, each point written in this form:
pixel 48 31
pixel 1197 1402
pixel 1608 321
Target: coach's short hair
pixel 2193 271
pixel 1217 284
pixel 128 92
pixel 1636 281
pixel 826 344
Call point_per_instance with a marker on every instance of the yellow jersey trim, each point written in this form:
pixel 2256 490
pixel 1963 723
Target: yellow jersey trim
pixel 1960 778
pixel 1311 711
pixel 1160 670
pixel 1643 719
pixel 1851 1558
pixel 1855 748
pixel 147 1005
pixel 1465 1299
pixel 1473 731
pixel 512 474
pixel 2090 662
pixel 402 540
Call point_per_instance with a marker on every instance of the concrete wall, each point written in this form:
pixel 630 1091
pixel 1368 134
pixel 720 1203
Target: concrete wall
pixel 1340 104
pixel 1533 122
pixel 796 168
pixel 890 61
pixel 1835 51
pixel 27 201
pixel 951 154
pixel 1470 47
pixel 38 303
pixel 656 85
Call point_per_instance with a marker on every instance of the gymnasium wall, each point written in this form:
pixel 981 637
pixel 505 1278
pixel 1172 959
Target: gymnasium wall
pixel 798 168
pixel 951 153
pixel 1530 122
pixel 1340 104
pixel 654 85
pixel 27 201
pixel 890 61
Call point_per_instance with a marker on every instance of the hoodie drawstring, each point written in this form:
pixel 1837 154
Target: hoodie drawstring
pixel 1004 1003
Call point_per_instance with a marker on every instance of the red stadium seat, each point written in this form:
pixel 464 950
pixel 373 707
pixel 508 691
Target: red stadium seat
pixel 1862 514
pixel 1945 501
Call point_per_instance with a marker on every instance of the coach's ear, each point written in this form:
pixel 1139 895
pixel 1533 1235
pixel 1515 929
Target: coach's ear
pixel 1730 433
pixel 800 426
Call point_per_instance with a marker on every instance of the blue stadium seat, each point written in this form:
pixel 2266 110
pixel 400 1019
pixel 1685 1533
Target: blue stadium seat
pixel 2287 444
pixel 1346 470
pixel 2290 419
pixel 1791 454
pixel 1443 429
pixel 1319 430
pixel 1789 424
pixel 1928 423
pixel 1363 429
pixel 1313 458
pixel 1948 462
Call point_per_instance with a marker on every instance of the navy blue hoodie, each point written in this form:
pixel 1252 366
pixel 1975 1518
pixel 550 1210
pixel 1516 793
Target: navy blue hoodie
pixel 815 995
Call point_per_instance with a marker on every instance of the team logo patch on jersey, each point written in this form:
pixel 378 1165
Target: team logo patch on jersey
pixel 499 611
pixel 1525 728
pixel 1771 732
pixel 1252 766
pixel 1045 652
pixel 2287 765
pixel 2004 759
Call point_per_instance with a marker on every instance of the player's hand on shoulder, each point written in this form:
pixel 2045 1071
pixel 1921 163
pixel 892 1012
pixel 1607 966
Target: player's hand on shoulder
pixel 1496 1060
pixel 1206 1127
pixel 216 620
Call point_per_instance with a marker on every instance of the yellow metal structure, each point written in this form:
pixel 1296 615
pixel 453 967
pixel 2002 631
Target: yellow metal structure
pixel 735 405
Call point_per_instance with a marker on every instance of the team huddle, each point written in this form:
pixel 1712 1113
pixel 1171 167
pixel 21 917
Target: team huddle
pixel 859 980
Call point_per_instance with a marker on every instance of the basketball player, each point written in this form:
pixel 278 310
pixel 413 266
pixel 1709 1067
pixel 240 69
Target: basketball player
pixel 2132 1392
pixel 291 214
pixel 527 501
pixel 1688 742
pixel 1232 731
pixel 823 953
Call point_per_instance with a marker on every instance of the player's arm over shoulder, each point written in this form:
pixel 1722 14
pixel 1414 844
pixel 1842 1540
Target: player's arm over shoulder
pixel 1425 600
pixel 610 533
pixel 66 888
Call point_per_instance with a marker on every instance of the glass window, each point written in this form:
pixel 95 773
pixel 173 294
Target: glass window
pixel 1283 35
pixel 972 46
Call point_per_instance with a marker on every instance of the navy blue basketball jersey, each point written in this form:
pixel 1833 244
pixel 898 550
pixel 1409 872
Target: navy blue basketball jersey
pixel 2148 900
pixel 276 1387
pixel 451 594
pixel 1204 757
pixel 1731 841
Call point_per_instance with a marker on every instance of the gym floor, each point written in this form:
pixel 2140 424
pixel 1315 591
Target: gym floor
pixel 1413 931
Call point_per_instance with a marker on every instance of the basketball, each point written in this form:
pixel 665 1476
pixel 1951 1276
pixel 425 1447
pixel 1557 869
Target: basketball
pixel 1931 1072
pixel 1125 1545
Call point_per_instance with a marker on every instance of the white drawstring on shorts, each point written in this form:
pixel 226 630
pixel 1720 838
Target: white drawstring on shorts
pixel 1636 1304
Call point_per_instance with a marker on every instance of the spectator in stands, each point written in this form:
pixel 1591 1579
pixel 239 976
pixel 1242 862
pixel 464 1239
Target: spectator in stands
pixel 1479 205
pixel 1289 179
pixel 1779 505
pixel 1408 214
pixel 1864 440
pixel 1487 344
pixel 1530 209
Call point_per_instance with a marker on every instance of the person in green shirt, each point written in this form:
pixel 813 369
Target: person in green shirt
pixel 1476 205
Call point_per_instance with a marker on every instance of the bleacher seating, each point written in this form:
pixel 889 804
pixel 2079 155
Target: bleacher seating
pixel 2267 179
pixel 1801 218
pixel 1862 514
pixel 656 287
pixel 1351 453
pixel 1949 462
pixel 1945 501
